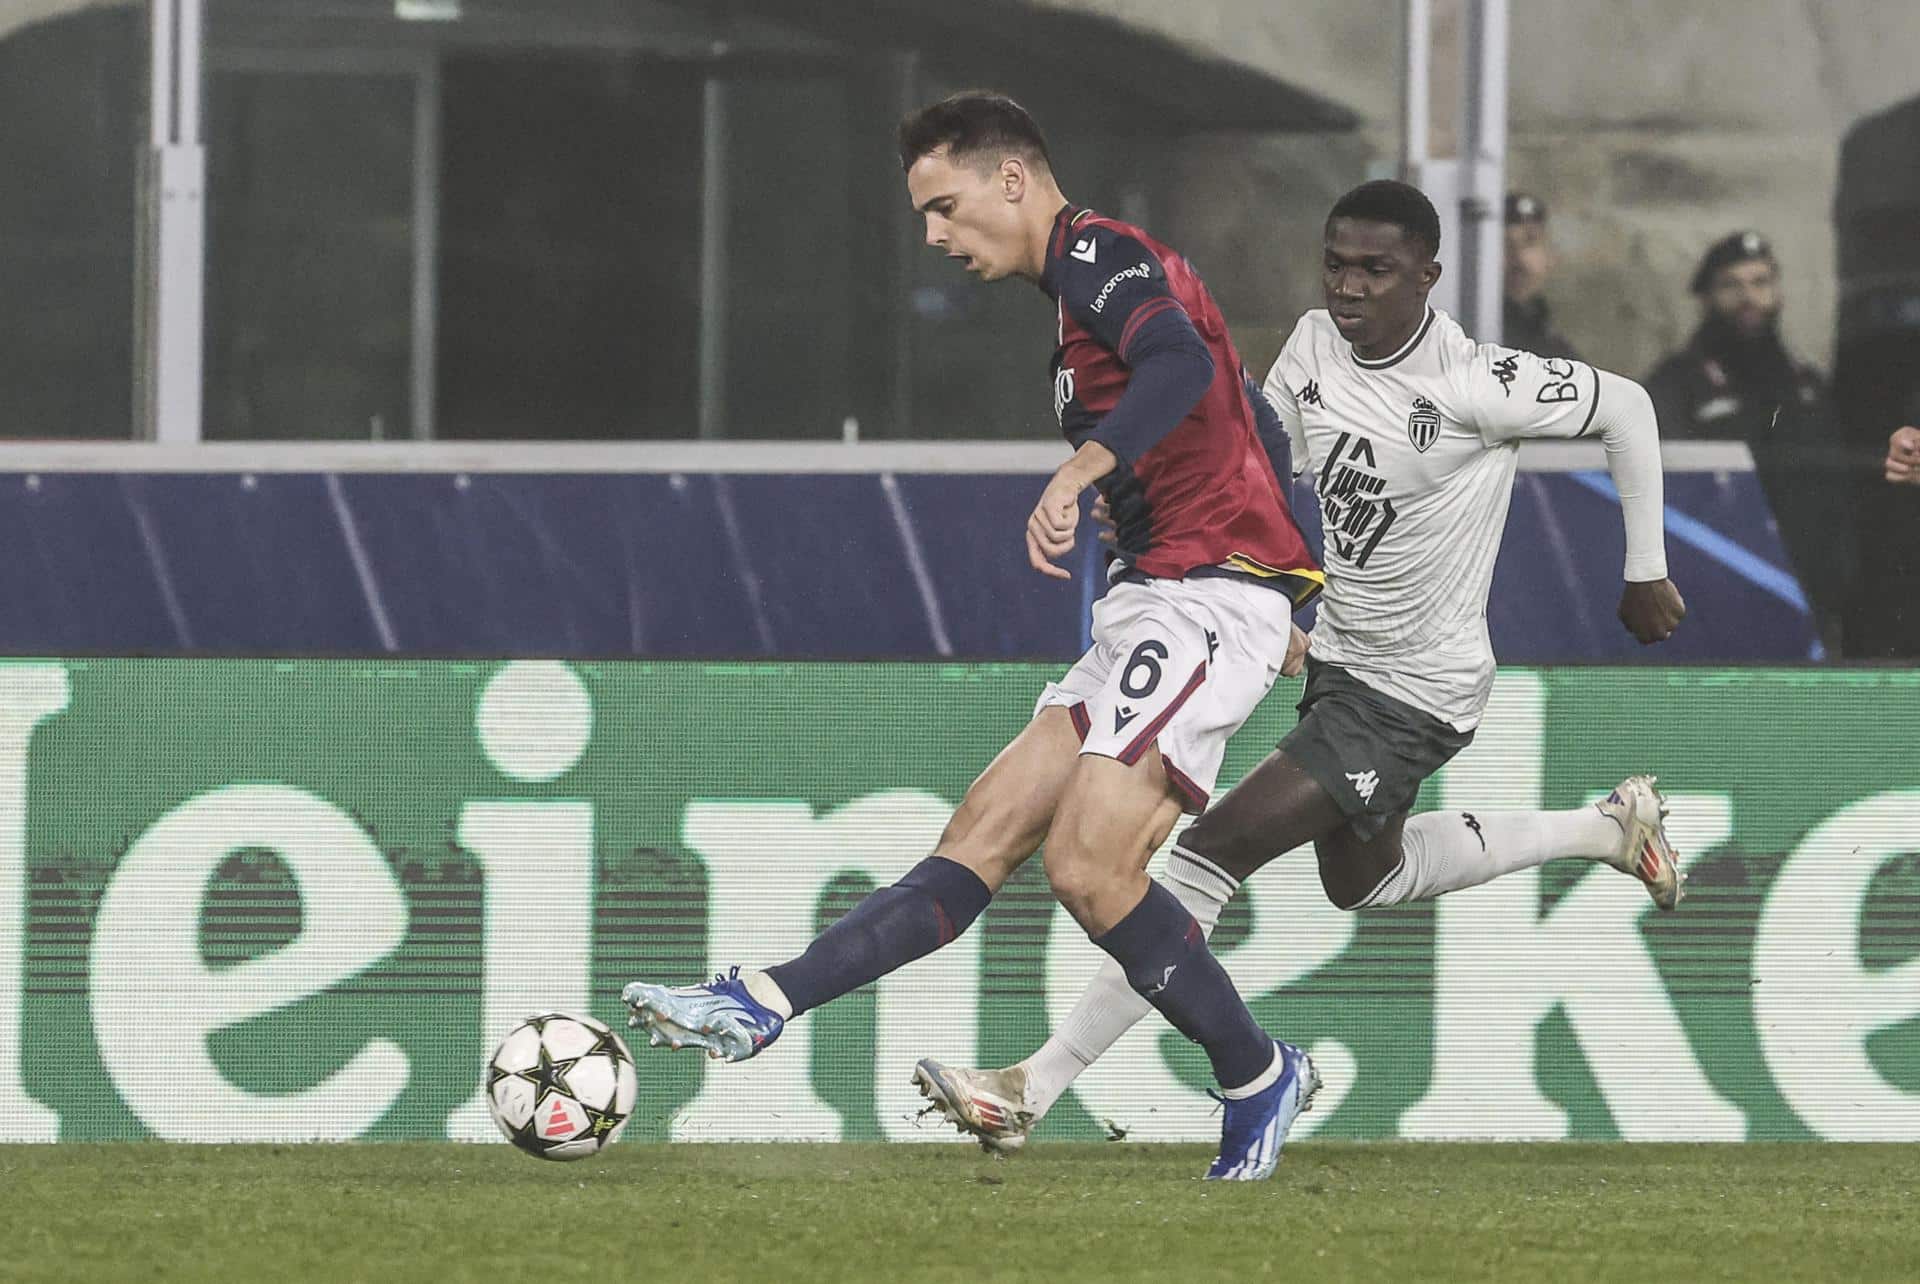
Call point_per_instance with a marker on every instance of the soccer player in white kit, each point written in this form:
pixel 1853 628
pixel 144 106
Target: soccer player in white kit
pixel 1412 432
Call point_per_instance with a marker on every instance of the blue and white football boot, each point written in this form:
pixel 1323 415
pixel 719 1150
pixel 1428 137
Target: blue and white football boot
pixel 720 1017
pixel 1254 1128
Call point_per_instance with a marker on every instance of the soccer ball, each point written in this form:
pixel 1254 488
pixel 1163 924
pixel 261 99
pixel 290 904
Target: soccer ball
pixel 561 1086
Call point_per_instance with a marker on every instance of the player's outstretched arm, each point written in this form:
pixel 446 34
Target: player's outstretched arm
pixel 1513 395
pixel 1623 418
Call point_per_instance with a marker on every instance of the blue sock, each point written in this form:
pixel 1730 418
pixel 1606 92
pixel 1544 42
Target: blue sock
pixel 936 901
pixel 1166 959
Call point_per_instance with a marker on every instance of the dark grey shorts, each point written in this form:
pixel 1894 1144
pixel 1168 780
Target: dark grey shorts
pixel 1367 749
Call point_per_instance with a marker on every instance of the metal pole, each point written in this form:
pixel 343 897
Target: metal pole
pixel 1483 168
pixel 426 245
pixel 713 260
pixel 191 55
pixel 906 249
pixel 1416 82
pixel 160 80
pixel 171 283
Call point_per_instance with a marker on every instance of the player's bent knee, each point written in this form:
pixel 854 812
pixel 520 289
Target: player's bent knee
pixel 1073 879
pixel 1345 898
pixel 1222 836
pixel 1348 880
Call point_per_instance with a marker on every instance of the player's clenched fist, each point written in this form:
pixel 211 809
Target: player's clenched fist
pixel 1903 456
pixel 1103 518
pixel 1296 660
pixel 1050 528
pixel 1652 610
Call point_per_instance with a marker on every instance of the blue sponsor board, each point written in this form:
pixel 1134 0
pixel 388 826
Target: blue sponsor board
pixel 730 563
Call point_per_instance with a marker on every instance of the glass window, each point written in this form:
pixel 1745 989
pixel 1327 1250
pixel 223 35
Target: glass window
pixel 72 109
pixel 310 181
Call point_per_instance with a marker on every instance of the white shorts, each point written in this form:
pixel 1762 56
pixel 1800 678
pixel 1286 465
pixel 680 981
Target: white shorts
pixel 1180 663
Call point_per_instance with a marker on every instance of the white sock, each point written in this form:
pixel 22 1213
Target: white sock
pixel 1444 851
pixel 767 993
pixel 1258 1084
pixel 1109 1007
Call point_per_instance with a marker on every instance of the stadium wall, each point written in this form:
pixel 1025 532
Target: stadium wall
pixel 1651 129
pixel 294 900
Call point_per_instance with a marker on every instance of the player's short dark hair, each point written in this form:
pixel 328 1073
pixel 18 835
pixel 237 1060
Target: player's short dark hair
pixel 970 124
pixel 1387 200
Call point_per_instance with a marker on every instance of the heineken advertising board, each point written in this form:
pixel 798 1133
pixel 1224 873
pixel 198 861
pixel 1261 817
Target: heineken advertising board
pixel 292 900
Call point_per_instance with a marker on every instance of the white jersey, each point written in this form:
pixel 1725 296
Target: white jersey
pixel 1413 458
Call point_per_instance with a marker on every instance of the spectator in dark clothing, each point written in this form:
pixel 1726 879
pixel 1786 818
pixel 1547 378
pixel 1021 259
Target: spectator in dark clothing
pixel 1735 373
pixel 1529 260
pixel 1885 621
pixel 1735 380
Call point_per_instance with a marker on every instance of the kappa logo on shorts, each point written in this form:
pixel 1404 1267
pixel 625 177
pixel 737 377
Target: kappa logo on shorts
pixel 1364 783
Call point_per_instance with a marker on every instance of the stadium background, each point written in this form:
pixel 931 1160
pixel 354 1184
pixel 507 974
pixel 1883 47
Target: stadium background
pixel 281 878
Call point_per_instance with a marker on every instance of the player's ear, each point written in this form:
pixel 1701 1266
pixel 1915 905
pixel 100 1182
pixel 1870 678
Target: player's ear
pixel 1429 275
pixel 1013 178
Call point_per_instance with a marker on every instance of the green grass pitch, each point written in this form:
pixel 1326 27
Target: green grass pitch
pixel 1335 1211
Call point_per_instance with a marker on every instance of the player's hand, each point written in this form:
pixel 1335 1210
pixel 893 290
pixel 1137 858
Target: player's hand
pixel 1050 529
pixel 1651 610
pixel 1103 517
pixel 1296 660
pixel 1903 456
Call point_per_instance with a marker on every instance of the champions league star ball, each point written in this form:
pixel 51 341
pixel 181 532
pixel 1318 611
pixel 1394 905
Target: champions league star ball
pixel 561 1086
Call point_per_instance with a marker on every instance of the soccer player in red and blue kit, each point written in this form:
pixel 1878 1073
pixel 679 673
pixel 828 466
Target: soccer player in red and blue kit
pixel 1195 626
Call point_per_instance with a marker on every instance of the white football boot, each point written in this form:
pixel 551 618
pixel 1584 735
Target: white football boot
pixel 1637 807
pixel 989 1105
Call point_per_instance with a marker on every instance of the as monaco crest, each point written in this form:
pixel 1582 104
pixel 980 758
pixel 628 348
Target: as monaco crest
pixel 1423 425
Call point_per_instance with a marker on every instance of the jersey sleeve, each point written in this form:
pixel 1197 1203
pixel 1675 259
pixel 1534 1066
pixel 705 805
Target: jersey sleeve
pixel 1271 431
pixel 1512 395
pixel 1113 284
pixel 1284 402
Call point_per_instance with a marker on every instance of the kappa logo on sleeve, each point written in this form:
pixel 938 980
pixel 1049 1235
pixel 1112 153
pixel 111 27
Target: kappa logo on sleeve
pixel 1506 370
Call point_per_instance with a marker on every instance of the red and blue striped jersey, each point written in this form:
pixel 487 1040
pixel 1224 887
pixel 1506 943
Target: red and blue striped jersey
pixel 1203 498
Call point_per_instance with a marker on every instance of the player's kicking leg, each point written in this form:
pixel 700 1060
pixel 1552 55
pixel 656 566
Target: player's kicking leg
pixel 1438 852
pixel 998 825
